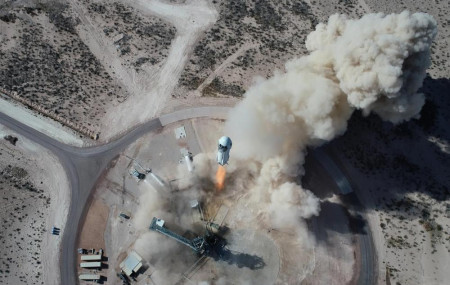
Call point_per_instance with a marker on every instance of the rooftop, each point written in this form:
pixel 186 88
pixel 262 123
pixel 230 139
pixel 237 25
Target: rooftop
pixel 131 264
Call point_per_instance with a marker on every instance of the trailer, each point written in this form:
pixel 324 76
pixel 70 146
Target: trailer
pixel 91 265
pixel 89 277
pixel 96 257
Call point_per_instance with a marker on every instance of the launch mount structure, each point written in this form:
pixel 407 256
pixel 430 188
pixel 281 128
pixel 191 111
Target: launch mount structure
pixel 197 244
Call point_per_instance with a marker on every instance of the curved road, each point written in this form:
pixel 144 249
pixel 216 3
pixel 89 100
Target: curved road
pixel 368 267
pixel 84 166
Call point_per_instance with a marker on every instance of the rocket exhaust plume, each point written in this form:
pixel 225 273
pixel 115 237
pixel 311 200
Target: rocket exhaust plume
pixel 374 64
pixel 220 177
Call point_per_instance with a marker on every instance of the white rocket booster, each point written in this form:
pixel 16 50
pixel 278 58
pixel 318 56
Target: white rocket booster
pixel 223 153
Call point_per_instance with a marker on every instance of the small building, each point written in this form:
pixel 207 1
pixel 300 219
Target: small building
pixel 131 264
pixel 90 264
pixel 89 277
pixel 96 257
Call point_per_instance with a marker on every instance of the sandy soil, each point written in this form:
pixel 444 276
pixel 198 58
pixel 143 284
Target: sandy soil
pixel 94 226
pixel 35 197
pixel 92 234
pixel 36 121
pixel 190 19
pixel 46 62
pixel 95 55
pixel 218 48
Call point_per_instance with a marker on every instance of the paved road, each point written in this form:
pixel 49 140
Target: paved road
pixel 84 166
pixel 367 274
pixel 332 169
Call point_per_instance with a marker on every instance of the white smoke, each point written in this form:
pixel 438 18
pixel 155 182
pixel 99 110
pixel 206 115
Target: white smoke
pixel 150 204
pixel 376 63
pixel 379 60
pixel 155 248
pixel 290 203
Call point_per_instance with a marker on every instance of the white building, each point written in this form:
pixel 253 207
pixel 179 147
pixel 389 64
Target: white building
pixel 89 277
pixel 90 264
pixel 96 257
pixel 131 264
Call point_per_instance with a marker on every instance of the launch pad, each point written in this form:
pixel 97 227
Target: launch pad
pixel 207 234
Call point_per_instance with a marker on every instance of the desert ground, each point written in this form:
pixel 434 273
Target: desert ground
pixel 35 197
pixel 110 66
pixel 96 62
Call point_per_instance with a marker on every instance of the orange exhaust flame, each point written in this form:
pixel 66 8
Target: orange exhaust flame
pixel 220 177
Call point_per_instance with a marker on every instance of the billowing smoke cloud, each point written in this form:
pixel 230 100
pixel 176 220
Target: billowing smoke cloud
pixel 379 61
pixel 376 64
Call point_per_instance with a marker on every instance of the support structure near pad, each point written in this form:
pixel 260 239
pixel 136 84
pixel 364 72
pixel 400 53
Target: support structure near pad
pixel 197 244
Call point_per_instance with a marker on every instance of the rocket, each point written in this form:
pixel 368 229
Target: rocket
pixel 223 153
